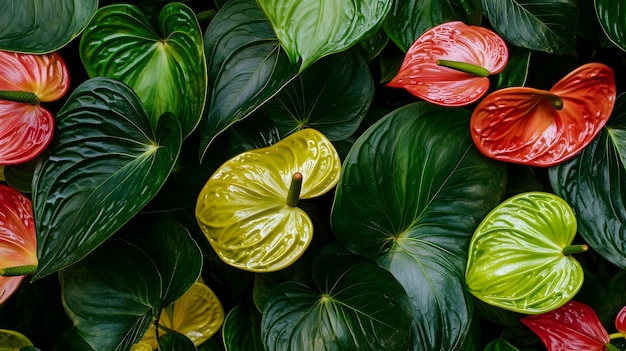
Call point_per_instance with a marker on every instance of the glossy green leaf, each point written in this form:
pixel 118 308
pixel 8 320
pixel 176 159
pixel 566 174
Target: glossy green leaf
pixel 176 342
pixel 94 179
pixel 112 296
pixel 165 66
pixel 593 182
pixel 516 70
pixel 500 345
pixel 408 19
pixel 42 26
pixel 412 192
pixel 548 26
pixel 246 66
pixel 517 259
pixel 310 30
pixel 611 17
pixel 11 340
pixel 343 81
pixel 356 306
pixel 242 330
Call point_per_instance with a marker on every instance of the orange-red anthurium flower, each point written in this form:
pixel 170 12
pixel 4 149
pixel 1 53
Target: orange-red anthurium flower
pixel 449 64
pixel 620 321
pixel 26 80
pixel 543 128
pixel 18 242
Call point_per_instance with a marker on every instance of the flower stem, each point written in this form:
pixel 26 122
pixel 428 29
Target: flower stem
pixel 19 96
pixel 611 347
pixel 293 196
pixel 616 336
pixel 465 67
pixel 574 249
pixel 19 270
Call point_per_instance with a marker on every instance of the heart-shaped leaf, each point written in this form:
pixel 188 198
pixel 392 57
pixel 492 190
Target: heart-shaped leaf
pixel 310 30
pixel 408 197
pixel 245 208
pixel 164 66
pixel 343 81
pixel 518 256
pixel 246 66
pixel 357 306
pixel 427 70
pixel 242 330
pixel 13 340
pixel 409 19
pixel 94 179
pixel 593 183
pixel 550 27
pixel 38 27
pixel 176 341
pixel 543 128
pixel 610 16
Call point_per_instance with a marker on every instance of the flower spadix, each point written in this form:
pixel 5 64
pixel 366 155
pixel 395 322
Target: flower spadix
pixel 543 128
pixel 449 64
pixel 26 80
pixel 247 209
pixel 520 256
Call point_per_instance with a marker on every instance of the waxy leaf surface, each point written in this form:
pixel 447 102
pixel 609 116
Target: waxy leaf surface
pixel 593 182
pixel 454 41
pixel 94 179
pixel 242 329
pixel 516 258
pixel 165 66
pixel 13 340
pixel 310 30
pixel 242 209
pixel 26 129
pixel 356 305
pixel 42 26
pixel 572 327
pixel 611 17
pixel 521 124
pixel 412 192
pixel 246 64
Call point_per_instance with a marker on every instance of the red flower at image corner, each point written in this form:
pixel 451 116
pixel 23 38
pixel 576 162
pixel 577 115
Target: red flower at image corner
pixel 26 127
pixel 18 241
pixel 449 64
pixel 543 128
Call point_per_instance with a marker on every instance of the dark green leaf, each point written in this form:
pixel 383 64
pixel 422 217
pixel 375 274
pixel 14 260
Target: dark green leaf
pixel 593 183
pixel 42 26
pixel 164 66
pixel 256 132
pixel 242 330
pixel 409 19
pixel 20 176
pixel 94 179
pixel 374 44
pixel 516 70
pixel 548 26
pixel 359 306
pixel 500 345
pixel 611 17
pixel 112 296
pixel 331 96
pixel 413 190
pixel 173 341
pixel 246 66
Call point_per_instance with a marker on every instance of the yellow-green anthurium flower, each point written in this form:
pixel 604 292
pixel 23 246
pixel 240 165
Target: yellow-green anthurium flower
pixel 11 340
pixel 247 209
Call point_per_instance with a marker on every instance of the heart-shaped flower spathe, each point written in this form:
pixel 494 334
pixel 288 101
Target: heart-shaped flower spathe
pixel 543 128
pixel 247 209
pixel 449 64
pixel 26 127
pixel 18 242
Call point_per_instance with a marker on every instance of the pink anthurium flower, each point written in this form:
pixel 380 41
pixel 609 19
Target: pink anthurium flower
pixel 543 128
pixel 18 242
pixel 620 321
pixel 26 80
pixel 449 64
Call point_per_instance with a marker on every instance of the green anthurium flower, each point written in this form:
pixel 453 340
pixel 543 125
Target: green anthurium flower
pixel 247 209
pixel 520 255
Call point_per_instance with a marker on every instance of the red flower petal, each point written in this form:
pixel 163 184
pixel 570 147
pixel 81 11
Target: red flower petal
pixel 620 321
pixel 519 125
pixel 45 75
pixel 455 41
pixel 25 131
pixel 572 327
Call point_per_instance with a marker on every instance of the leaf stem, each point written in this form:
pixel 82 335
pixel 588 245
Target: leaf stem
pixel 19 270
pixel 293 196
pixel 574 249
pixel 611 347
pixel 19 96
pixel 465 67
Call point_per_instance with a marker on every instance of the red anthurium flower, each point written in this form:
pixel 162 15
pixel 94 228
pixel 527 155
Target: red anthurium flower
pixel 572 327
pixel 620 321
pixel 25 80
pixel 542 128
pixel 449 64
pixel 18 243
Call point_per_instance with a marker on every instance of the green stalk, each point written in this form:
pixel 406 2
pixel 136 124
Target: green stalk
pixel 293 196
pixel 616 336
pixel 19 270
pixel 464 67
pixel 19 96
pixel 611 347
pixel 575 249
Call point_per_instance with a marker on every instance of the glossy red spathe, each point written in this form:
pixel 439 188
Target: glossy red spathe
pixel 620 321
pixel 543 128
pixel 453 41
